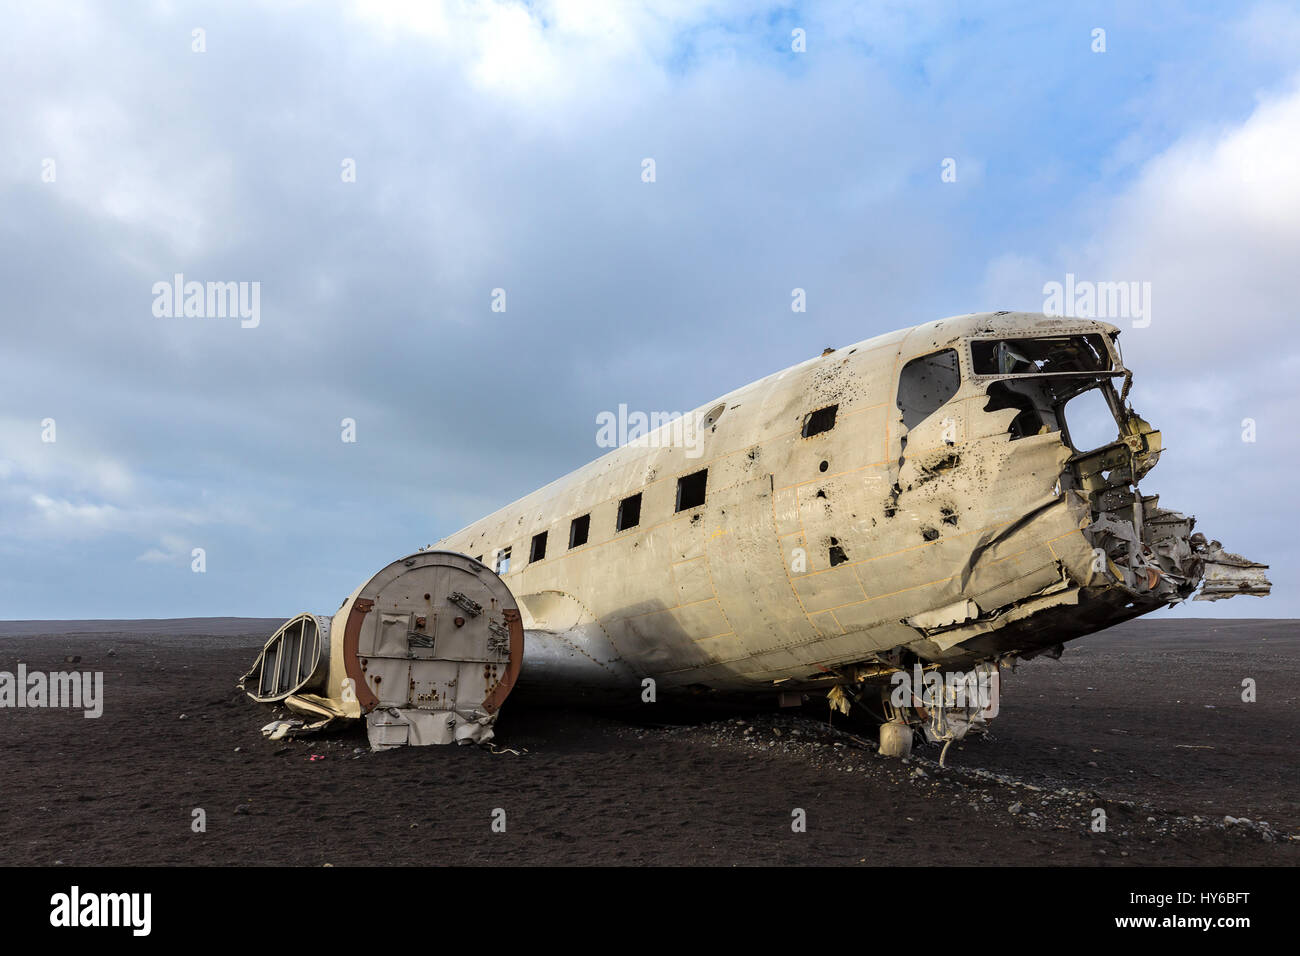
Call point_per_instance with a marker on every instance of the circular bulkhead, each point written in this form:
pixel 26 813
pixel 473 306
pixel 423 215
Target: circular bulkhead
pixel 430 646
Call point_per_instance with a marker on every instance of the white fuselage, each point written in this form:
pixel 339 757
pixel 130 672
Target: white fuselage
pixel 808 553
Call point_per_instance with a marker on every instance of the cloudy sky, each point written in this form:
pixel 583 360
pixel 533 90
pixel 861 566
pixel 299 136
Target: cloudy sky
pixel 380 169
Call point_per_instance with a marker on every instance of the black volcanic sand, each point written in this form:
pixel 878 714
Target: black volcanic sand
pixel 1144 721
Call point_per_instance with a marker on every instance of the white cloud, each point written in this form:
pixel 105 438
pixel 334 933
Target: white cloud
pixel 1213 223
pixel 536 52
pixel 70 490
pixel 172 549
pixel 71 462
pixel 88 518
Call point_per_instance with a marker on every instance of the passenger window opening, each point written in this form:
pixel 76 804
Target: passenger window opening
pixel 629 512
pixel 538 549
pixel 925 384
pixel 578 531
pixel 822 420
pixel 690 490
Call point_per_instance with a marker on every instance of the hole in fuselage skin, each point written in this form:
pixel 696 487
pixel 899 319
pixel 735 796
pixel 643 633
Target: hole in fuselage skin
pixel 929 534
pixel 820 493
pixel 822 420
pixel 837 553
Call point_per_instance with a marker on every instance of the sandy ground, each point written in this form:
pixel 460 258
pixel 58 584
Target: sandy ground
pixel 1145 722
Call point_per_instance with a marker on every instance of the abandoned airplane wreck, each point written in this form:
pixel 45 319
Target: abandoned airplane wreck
pixel 950 497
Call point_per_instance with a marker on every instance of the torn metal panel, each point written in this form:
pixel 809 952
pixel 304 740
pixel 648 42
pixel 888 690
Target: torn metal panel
pixel 296 727
pixel 1227 575
pixel 1056 595
pixel 956 613
pixel 313 705
pixel 389 727
pixel 962 706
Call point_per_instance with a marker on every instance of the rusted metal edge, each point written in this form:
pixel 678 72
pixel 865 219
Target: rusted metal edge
pixel 351 659
pixel 493 701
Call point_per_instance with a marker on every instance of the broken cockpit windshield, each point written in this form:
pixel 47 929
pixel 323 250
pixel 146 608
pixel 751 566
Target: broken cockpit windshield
pixel 1089 423
pixel 1044 405
pixel 1041 356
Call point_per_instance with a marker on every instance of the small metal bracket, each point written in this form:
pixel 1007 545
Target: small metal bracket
pixel 472 608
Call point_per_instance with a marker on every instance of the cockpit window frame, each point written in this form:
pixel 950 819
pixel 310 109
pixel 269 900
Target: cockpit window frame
pixel 1116 370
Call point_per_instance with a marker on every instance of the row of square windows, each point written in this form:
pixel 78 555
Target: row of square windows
pixel 690 494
